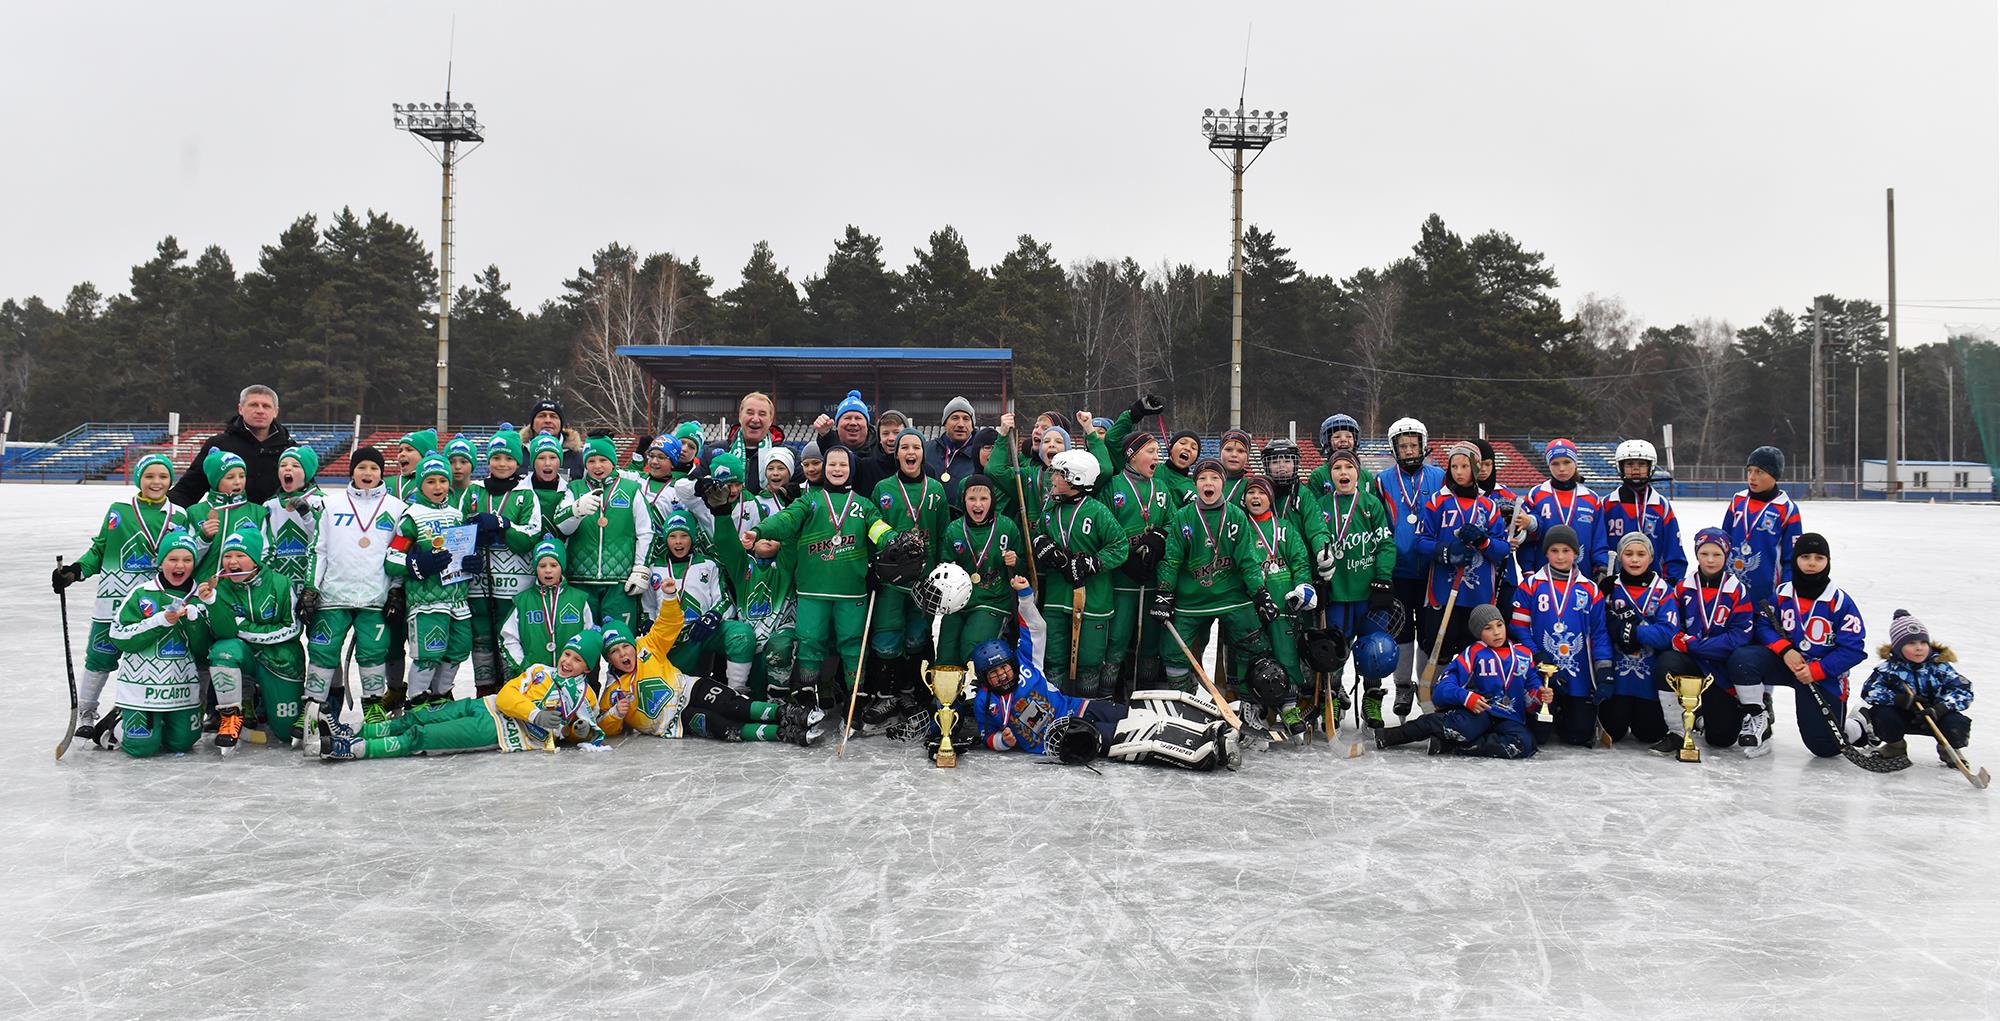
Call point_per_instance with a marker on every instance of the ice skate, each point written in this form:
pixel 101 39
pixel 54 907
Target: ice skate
pixel 1668 745
pixel 1755 738
pixel 228 730
pixel 337 742
pixel 1406 700
pixel 800 726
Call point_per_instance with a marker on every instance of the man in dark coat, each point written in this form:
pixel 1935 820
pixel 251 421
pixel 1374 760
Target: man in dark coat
pixel 255 435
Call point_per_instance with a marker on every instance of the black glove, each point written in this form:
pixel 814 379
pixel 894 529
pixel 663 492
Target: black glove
pixel 1160 606
pixel 1081 567
pixel 396 606
pixel 306 605
pixel 1604 580
pixel 428 563
pixel 1146 406
pixel 704 486
pixel 697 629
pixel 1906 697
pixel 1380 595
pixel 471 563
pixel 1049 556
pixel 1267 607
pixel 1622 621
pixel 1471 535
pixel 65 576
pixel 491 528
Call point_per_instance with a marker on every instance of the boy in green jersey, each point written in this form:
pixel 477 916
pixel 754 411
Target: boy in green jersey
pixel 978 541
pixel 509 528
pixel 163 624
pixel 1211 574
pixel 223 511
pixel 1078 547
pixel 544 616
pixel 266 647
pixel 907 500
pixel 438 620
pixel 608 533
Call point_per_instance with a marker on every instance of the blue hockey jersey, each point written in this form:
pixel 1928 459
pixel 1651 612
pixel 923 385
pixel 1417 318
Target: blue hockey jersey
pixel 1761 536
pixel 1827 631
pixel 1505 676
pixel 1035 704
pixel 1561 623
pixel 1578 508
pixel 1715 620
pixel 1659 621
pixel 1436 525
pixel 1404 495
pixel 1623 512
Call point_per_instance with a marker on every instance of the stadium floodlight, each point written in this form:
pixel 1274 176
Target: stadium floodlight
pixel 444 125
pixel 1238 132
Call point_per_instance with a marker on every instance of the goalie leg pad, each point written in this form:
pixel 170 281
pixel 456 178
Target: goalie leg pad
pixel 1145 735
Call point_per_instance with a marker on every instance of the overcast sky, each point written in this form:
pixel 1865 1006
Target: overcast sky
pixel 1694 159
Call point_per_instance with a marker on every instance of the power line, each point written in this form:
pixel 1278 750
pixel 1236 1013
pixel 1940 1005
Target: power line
pixel 1487 379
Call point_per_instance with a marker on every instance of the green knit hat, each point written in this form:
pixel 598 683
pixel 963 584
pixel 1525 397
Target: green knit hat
pixel 600 446
pixel 248 541
pixel 433 465
pixel 677 522
pixel 588 644
pixel 139 468
pixel 459 446
pixel 307 457
pixel 218 463
pixel 615 635
pixel 507 442
pixel 726 468
pixel 179 538
pixel 688 431
pixel 549 549
pixel 543 443
pixel 423 441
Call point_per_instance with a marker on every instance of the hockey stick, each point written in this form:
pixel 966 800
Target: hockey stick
pixel 1871 763
pixel 69 663
pixel 1075 632
pixel 1021 501
pixel 1221 703
pixel 1979 780
pixel 860 671
pixel 1437 644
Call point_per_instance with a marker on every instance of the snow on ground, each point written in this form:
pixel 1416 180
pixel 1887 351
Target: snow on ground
pixel 693 878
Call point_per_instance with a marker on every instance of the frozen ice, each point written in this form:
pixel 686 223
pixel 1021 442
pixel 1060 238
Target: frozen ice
pixel 692 878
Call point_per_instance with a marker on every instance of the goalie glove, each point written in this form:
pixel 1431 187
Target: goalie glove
pixel 1301 598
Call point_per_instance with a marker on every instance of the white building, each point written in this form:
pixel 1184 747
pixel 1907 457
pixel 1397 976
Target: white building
pixel 1937 477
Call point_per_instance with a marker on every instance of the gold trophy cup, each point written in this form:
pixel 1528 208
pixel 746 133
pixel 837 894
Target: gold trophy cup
pixel 1542 713
pixel 946 683
pixel 1688 688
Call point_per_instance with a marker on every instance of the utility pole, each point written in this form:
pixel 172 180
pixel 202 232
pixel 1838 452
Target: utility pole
pixel 1950 410
pixel 1239 132
pixel 1895 416
pixel 1817 455
pixel 444 125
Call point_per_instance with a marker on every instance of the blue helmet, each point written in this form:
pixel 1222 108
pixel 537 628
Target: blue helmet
pixel 989 654
pixel 1333 424
pixel 1375 655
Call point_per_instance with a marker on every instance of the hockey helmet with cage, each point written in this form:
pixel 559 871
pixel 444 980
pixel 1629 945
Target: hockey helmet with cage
pixel 1080 467
pixel 944 591
pixel 1268 683
pixel 989 654
pixel 1408 425
pixel 1375 655
pixel 1278 450
pixel 1334 424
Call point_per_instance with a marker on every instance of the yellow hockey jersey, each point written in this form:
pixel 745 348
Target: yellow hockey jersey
pixel 648 700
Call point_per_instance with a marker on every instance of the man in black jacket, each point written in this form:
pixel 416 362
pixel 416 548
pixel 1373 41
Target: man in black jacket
pixel 255 435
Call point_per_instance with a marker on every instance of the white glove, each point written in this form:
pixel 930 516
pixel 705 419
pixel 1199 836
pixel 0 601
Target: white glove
pixel 597 745
pixel 588 503
pixel 192 611
pixel 1301 598
pixel 638 581
pixel 1326 561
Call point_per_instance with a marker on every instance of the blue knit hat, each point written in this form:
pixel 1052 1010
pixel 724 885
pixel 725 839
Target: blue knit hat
pixel 1558 448
pixel 852 402
pixel 1771 459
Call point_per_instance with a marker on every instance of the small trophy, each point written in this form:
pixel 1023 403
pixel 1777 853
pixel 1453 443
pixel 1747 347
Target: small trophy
pixel 1542 713
pixel 946 684
pixel 1688 688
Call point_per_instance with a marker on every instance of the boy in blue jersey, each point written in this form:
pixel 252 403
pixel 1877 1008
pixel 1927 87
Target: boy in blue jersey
pixel 1461 534
pixel 1558 615
pixel 1403 490
pixel 1810 635
pixel 1637 507
pixel 1762 523
pixel 1716 619
pixel 1562 500
pixel 1485 696
pixel 1016 707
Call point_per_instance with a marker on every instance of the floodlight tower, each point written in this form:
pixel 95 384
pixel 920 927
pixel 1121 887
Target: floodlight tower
pixel 444 125
pixel 1239 132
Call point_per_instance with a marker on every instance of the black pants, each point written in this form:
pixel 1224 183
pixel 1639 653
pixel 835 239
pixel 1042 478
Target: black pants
pixel 1893 724
pixel 1720 714
pixel 716 710
pixel 1457 635
pixel 1576 719
pixel 1410 592
pixel 1639 717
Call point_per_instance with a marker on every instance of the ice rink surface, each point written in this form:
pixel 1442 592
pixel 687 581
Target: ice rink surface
pixel 698 879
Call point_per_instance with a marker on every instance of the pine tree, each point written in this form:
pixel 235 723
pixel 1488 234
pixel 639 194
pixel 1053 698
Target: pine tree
pixel 941 290
pixel 854 301
pixel 764 308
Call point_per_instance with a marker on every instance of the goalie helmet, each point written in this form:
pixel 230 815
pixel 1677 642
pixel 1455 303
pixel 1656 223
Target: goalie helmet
pixel 1072 741
pixel 1389 620
pixel 1408 425
pixel 1078 466
pixel 1279 450
pixel 944 591
pixel 1375 655
pixel 1325 649
pixel 1636 450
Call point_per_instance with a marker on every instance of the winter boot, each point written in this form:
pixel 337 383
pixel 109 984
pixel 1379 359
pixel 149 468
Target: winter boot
pixel 1668 745
pixel 228 729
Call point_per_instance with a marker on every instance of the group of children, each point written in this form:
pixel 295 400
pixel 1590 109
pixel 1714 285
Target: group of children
pixel 688 593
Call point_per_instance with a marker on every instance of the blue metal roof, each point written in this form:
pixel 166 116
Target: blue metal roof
pixel 856 354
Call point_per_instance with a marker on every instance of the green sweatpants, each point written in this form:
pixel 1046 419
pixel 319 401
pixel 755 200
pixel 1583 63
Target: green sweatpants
pixel 1282 634
pixel 1241 631
pixel 961 632
pixel 329 632
pixel 829 625
pixel 439 638
pixel 461 726
pixel 609 602
pixel 100 653
pixel 280 673
pixel 732 639
pixel 1119 649
pixel 149 730
pixel 900 628
pixel 1092 638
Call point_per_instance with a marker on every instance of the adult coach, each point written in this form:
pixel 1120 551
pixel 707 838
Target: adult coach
pixel 255 435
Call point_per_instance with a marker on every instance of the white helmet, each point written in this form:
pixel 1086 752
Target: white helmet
pixel 1409 425
pixel 1078 466
pixel 1636 450
pixel 944 591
